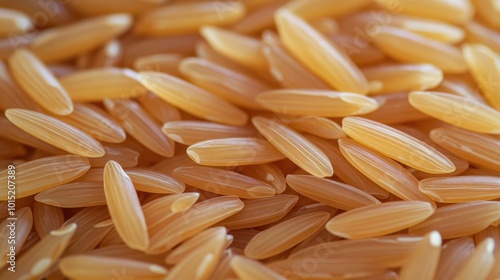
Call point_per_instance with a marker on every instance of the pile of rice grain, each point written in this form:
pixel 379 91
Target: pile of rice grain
pixel 250 139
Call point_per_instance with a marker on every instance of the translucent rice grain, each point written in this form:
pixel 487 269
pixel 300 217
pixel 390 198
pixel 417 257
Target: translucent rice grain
pixel 285 68
pixel 387 173
pixel 239 48
pixel 192 99
pixel 191 245
pixel 397 145
pixel 191 132
pixel 12 96
pixel 261 211
pixel 14 22
pixel 395 108
pixel 40 258
pixel 233 152
pixel 477 148
pixel 396 248
pixel 459 111
pixel 324 8
pixel 318 126
pixel 379 219
pixel 38 175
pixel 59 44
pixel 459 220
pixel 460 87
pixel 140 125
pixel 194 220
pixel 124 156
pixel 105 83
pixel 329 192
pixel 479 264
pixel 23 223
pixel 285 235
pixel 124 207
pixel 492 232
pixel 436 30
pixel 185 18
pixel 319 55
pixel 258 19
pixel 453 255
pixel 461 188
pixel 168 166
pixel 96 7
pixel 345 171
pixel 119 251
pixel 478 33
pixel 487 10
pixel 359 50
pixel 55 132
pixel 403 77
pixel 267 173
pixel 483 64
pixel 74 195
pixel 145 180
pixel 159 109
pixel 80 267
pixel 295 147
pixel 223 182
pixel 88 241
pixel 165 63
pixel 248 269
pixel 86 219
pixel 409 47
pixel 109 55
pixel 458 12
pixel 235 87
pixel 39 83
pixel 423 261
pixel 303 102
pixel 46 218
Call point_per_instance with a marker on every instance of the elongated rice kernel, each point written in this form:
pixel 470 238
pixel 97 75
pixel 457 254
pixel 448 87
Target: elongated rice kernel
pixel 124 207
pixel 44 226
pixel 58 44
pixel 404 77
pixel 397 145
pixel 409 47
pixel 233 152
pixel 436 30
pixel 101 83
pixel 267 173
pixel 145 180
pixel 261 211
pixel 395 108
pixel 223 182
pixel 108 55
pixel 259 19
pixel 23 224
pixel 487 10
pixel 480 262
pixel 329 192
pixel 483 65
pixel 295 147
pixel 14 22
pixel 379 219
pixel 192 99
pixel 81 267
pixel 124 156
pixel 189 246
pixel 458 111
pixel 38 175
pixel 248 269
pixel 55 132
pixel 194 220
pixel 387 173
pixel 191 132
pixel 320 56
pixel 453 255
pixel 313 9
pixel 461 188
pixel 285 235
pixel 424 259
pixel 39 83
pixel 12 96
pixel 318 126
pixel 459 220
pixel 483 150
pixel 74 195
pixel 479 33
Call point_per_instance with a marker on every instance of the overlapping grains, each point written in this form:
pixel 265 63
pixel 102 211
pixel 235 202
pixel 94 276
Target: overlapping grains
pixel 44 226
pixel 165 63
pixel 23 224
pixel 479 264
pixel 285 235
pixel 453 255
pixel 320 56
pixel 247 269
pixel 294 146
pixel 233 152
pixel 397 145
pixel 459 220
pixel 461 188
pixel 124 207
pixel 12 96
pixel 395 108
pixel 192 99
pixel 379 219
pixel 223 182
pixel 38 175
pixel 423 261
pixel 39 83
pixel 73 195
pixel 55 132
pixel 154 182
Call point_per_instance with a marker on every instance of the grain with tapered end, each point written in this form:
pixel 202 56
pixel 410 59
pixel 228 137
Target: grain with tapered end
pixel 192 99
pixel 379 219
pixel 479 264
pixel 248 269
pixel 295 147
pixel 39 83
pixel 423 261
pixel 74 195
pixel 56 132
pixel 453 255
pixel 23 224
pixel 285 235
pixel 145 180
pixel 397 145
pixel 459 220
pixel 461 188
pixel 124 207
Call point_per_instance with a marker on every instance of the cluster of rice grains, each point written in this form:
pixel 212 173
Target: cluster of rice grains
pixel 251 139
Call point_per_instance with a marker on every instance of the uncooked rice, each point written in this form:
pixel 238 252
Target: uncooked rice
pixel 250 139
